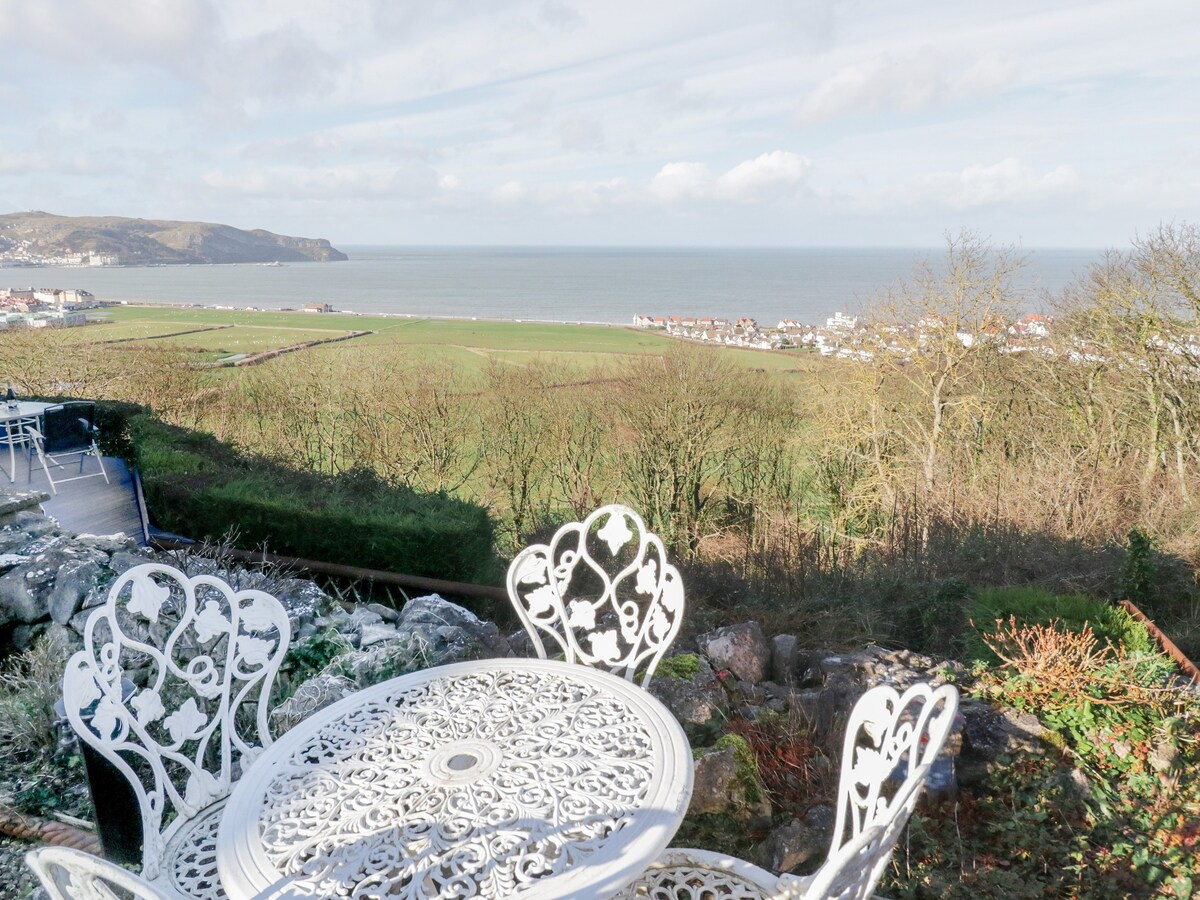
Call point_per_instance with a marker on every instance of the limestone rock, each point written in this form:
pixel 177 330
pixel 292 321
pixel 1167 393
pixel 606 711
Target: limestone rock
pixel 720 787
pixel 71 586
pixel 790 847
pixel 124 560
pixel 693 702
pixel 742 649
pixel 107 544
pixel 387 613
pixel 375 633
pixel 988 732
pixel 9 560
pixel 783 658
pixel 23 530
pixel 449 632
pixel 991 732
pixel 315 694
pixel 18 601
pixel 521 644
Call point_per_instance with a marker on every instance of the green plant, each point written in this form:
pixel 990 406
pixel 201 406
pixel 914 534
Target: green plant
pixel 1136 581
pixel 1112 626
pixel 684 666
pixel 310 656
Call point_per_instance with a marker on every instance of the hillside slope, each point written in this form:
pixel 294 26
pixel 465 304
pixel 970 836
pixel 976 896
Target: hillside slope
pixel 141 241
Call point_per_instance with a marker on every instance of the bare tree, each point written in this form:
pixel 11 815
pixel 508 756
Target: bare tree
pixel 934 345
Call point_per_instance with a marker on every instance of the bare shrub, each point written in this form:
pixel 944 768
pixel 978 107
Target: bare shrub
pixel 30 684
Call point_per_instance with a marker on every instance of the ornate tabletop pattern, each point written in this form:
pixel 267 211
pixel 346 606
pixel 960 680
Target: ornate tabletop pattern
pixel 482 782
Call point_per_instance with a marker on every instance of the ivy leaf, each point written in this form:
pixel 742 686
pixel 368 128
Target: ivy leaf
pixel 148 705
pixel 211 622
pixel 186 722
pixel 148 597
pixel 604 646
pixel 615 532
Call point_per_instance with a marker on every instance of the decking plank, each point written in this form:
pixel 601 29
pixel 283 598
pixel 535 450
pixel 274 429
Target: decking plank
pixel 90 506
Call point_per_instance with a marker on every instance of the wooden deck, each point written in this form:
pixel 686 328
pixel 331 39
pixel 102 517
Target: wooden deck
pixel 89 506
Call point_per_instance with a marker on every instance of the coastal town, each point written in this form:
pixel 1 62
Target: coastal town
pixel 44 307
pixel 841 336
pixel 22 253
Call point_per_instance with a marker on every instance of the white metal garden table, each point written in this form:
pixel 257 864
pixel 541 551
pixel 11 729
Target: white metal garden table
pixel 498 778
pixel 12 422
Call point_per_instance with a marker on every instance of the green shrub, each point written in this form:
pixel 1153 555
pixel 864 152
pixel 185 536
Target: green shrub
pixel 1037 606
pixel 1136 581
pixel 203 489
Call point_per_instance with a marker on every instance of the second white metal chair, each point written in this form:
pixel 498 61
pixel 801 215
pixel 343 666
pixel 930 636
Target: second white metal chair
pixel 602 592
pixel 203 659
pixel 890 746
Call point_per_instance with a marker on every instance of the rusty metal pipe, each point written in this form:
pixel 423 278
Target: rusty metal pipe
pixel 417 582
pixel 1188 667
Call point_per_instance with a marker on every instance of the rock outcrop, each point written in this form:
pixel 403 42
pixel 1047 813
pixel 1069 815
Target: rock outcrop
pixel 142 241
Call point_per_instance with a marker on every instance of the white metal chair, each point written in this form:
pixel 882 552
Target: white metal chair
pixel 890 745
pixel 74 875
pixel 602 591
pixel 68 429
pixel 203 660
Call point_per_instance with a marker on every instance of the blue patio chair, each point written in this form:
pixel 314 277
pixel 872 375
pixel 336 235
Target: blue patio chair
pixel 68 429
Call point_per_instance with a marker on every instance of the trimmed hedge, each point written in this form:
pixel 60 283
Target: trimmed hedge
pixel 201 488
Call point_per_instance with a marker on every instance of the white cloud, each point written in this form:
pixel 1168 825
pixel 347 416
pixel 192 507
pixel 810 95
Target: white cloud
pixel 509 192
pixel 767 177
pixel 22 163
pixel 885 82
pixel 1011 181
pixel 407 183
pixel 682 181
pixel 581 133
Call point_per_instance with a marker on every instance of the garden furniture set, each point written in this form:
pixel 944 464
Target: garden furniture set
pixel 541 778
pixel 50 432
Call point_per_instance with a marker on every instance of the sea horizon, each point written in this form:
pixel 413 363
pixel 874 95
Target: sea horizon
pixel 598 284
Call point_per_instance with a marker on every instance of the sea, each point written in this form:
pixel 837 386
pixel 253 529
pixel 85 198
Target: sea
pixel 555 284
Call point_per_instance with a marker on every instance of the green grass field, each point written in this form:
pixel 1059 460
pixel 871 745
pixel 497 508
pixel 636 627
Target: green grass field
pixel 241 339
pixel 124 331
pixel 469 343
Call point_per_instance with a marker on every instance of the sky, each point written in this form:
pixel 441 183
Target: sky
pixel 609 122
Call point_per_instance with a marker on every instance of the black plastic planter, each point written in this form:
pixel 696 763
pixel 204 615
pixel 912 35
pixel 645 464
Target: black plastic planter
pixel 118 816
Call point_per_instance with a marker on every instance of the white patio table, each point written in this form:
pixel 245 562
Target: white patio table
pixel 26 409
pixel 498 778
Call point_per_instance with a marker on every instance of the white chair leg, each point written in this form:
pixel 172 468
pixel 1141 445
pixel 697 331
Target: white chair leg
pixel 42 459
pixel 100 462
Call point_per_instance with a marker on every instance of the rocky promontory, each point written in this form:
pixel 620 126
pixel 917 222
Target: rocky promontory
pixel 39 236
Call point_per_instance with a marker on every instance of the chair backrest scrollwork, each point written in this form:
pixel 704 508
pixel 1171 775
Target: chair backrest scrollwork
pixel 853 870
pixel 602 591
pixel 891 742
pixel 173 688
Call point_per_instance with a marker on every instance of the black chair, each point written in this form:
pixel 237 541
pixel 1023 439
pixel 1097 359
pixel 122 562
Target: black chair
pixel 67 429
